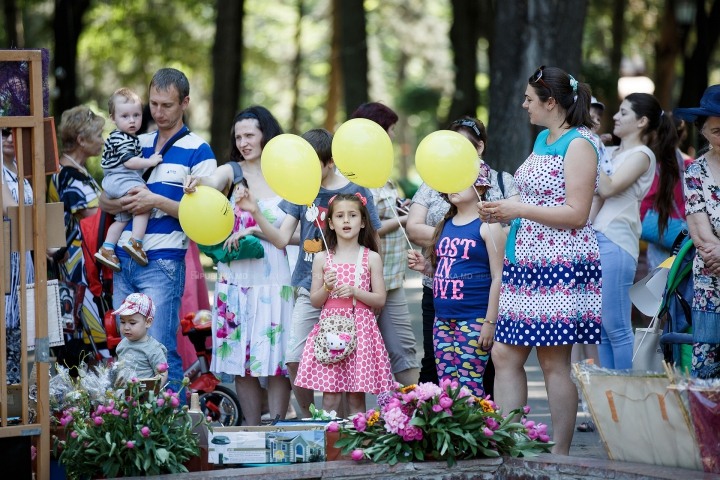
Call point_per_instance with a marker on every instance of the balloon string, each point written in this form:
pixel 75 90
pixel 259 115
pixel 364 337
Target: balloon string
pixel 492 237
pixel 387 194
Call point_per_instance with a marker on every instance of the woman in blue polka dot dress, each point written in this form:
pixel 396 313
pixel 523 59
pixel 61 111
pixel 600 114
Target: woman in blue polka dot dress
pixel 551 289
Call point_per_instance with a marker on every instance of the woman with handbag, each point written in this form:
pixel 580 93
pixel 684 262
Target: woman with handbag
pixel 253 296
pixel 702 207
pixel 646 134
pixel 550 297
pixel 345 352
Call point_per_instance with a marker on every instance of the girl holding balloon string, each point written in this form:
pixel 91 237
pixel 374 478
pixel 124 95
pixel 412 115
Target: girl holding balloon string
pixel 253 297
pixel 465 260
pixel 351 244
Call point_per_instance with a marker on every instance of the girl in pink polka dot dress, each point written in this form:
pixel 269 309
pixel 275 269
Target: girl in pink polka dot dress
pixel 367 369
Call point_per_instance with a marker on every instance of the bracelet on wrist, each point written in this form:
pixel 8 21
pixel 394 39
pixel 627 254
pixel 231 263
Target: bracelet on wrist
pixel 326 287
pixel 491 322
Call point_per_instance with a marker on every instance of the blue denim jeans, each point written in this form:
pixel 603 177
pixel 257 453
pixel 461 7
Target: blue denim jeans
pixel 618 273
pixel 164 282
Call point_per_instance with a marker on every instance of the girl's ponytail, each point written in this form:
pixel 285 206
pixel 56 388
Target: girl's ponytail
pixel 663 145
pixel 579 112
pixel 660 135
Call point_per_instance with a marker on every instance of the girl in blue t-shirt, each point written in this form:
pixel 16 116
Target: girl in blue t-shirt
pixel 465 261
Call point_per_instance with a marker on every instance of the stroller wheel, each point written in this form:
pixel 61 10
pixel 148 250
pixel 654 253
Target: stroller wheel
pixel 222 406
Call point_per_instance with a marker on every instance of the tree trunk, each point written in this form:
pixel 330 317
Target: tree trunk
pixel 353 56
pixel 670 44
pixel 696 66
pixel 294 123
pixel 544 32
pixel 335 81
pixel 612 102
pixel 68 26
pixel 11 23
pixel 464 36
pixel 227 69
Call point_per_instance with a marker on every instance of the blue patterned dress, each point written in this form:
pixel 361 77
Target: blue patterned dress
pixel 551 295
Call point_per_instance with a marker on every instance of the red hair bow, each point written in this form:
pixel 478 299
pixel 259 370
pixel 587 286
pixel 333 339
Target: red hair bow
pixel 362 199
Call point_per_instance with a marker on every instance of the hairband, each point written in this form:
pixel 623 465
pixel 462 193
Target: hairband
pixel 357 194
pixel 249 114
pixel 573 83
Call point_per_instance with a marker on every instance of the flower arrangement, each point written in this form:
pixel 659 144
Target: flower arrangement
pixel 127 432
pixel 445 422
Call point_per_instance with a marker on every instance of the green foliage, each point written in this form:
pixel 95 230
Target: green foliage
pixel 141 434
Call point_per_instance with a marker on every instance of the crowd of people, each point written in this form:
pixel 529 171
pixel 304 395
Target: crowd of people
pixel 543 258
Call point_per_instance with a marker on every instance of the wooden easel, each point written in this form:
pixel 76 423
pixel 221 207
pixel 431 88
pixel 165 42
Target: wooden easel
pixel 34 123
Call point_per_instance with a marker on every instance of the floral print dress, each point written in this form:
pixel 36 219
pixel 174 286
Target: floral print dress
pixel 551 295
pixel 702 195
pixel 253 305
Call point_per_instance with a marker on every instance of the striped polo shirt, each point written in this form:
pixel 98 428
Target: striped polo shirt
pixel 164 239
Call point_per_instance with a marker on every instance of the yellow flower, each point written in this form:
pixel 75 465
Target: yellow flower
pixel 486 406
pixel 409 388
pixel 373 418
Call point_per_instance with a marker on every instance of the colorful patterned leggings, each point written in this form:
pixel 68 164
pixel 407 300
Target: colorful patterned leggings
pixel 457 354
pixel 704 354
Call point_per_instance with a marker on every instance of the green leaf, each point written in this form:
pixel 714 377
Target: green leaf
pixel 161 455
pixel 418 422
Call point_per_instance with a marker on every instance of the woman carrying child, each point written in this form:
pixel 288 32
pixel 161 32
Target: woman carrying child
pixel 351 244
pixel 466 260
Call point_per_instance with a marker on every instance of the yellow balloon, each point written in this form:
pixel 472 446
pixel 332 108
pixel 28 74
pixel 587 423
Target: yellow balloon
pixel 363 152
pixel 291 167
pixel 206 216
pixel 447 161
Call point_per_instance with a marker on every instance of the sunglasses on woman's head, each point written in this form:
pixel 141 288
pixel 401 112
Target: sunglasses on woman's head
pixel 469 124
pixel 537 78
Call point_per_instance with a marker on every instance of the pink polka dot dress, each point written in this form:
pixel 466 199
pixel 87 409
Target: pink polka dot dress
pixel 367 369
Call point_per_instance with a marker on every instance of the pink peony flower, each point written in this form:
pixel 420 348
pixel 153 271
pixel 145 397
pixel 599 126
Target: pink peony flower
pixel 145 432
pixel 333 427
pixel 360 422
pixel 357 455
pixel 163 367
pixel 411 433
pixel 395 420
pixel 115 412
pixel 530 424
pixel 160 402
pixel 526 410
pixel 426 391
pixel 532 434
pixel 492 424
pixel 445 401
pixel 130 444
pixel 124 415
pixel 73 434
pixel 111 404
pixel 487 432
pixel 541 428
pixel 98 421
pixel 169 391
pixel 175 401
pixel 437 408
pixel 544 438
pixel 464 392
pixel 409 397
pixel 133 380
pixel 86 444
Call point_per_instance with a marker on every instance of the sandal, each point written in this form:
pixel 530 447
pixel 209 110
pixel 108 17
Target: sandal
pixel 586 427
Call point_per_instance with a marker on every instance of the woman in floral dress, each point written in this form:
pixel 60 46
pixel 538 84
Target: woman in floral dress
pixel 253 297
pixel 702 207
pixel 550 296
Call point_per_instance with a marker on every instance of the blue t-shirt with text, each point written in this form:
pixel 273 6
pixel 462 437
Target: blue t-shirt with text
pixel 461 285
